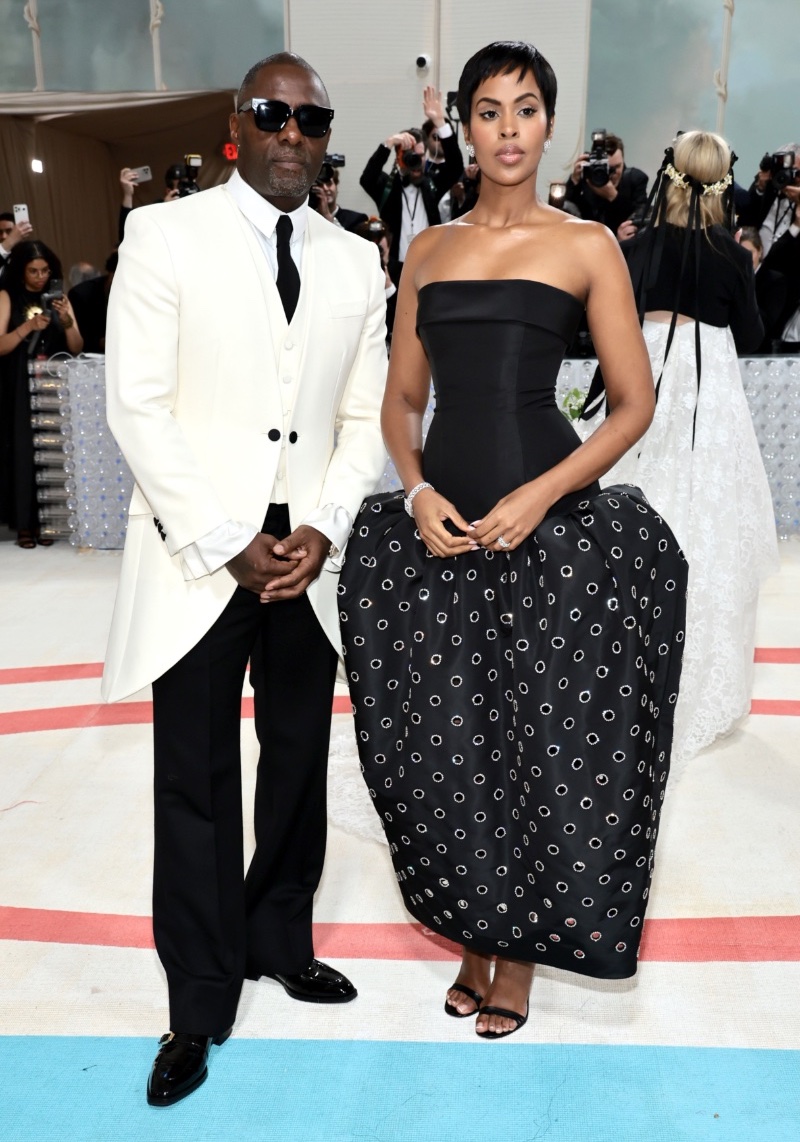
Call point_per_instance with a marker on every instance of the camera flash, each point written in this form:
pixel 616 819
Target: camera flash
pixel 37 166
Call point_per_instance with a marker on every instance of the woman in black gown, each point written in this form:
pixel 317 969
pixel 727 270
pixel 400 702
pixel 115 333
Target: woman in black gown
pixel 514 650
pixel 27 329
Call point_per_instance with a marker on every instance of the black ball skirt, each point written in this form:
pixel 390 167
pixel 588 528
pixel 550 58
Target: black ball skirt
pixel 514 718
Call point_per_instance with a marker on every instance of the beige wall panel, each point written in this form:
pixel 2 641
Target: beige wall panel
pixel 366 55
pixel 558 28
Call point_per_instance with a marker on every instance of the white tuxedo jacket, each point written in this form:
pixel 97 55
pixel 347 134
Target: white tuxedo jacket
pixel 195 350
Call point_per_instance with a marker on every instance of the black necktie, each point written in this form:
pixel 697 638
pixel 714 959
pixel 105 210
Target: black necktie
pixel 288 278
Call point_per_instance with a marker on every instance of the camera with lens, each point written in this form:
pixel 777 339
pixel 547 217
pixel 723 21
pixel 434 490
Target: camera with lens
pixel 595 170
pixel 187 175
pixel 329 164
pixel 411 160
pixel 781 167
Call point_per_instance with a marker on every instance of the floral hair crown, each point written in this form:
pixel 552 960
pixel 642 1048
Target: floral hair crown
pixel 688 182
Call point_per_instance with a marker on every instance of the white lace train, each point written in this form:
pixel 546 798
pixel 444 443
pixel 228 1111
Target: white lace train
pixel 717 501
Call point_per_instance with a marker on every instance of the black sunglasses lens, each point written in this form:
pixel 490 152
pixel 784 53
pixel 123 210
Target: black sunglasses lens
pixel 271 115
pixel 313 121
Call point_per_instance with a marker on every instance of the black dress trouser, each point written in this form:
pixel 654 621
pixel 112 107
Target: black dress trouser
pixel 212 924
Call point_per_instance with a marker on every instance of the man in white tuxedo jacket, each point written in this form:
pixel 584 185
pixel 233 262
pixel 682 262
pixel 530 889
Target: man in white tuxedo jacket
pixel 244 391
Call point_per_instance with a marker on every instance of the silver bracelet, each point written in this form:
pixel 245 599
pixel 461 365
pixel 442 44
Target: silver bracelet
pixel 409 499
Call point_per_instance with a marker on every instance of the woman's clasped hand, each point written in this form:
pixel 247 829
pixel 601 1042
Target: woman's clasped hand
pixel 513 519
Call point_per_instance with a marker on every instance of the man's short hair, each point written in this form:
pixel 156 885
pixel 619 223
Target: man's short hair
pixel 614 144
pixel 416 133
pixel 750 234
pixel 290 59
pixel 374 229
pixel 7 216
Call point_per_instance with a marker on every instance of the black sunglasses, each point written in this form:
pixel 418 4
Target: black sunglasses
pixel 273 115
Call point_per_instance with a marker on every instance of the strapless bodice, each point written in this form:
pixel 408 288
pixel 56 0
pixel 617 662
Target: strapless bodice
pixel 495 348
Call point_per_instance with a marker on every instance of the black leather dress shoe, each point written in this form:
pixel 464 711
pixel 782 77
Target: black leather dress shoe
pixel 180 1066
pixel 319 983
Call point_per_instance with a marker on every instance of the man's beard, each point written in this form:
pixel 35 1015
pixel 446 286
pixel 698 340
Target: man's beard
pixel 286 183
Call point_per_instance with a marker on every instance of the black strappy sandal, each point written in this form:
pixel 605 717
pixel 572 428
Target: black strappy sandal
pixel 470 994
pixel 521 1020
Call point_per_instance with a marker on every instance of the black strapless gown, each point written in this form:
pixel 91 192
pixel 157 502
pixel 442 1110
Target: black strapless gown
pixel 514 711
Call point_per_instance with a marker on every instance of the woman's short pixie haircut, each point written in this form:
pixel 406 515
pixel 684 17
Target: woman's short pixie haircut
pixel 503 58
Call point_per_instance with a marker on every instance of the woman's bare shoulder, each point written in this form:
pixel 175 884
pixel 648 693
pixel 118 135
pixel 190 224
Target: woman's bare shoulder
pixel 427 249
pixel 591 243
pixel 580 230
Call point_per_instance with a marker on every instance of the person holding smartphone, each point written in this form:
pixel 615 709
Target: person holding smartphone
pixel 12 231
pixel 36 320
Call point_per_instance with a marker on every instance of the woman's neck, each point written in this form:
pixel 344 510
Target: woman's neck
pixel 499 207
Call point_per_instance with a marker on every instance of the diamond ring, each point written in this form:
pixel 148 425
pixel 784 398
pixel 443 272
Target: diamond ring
pixel 503 542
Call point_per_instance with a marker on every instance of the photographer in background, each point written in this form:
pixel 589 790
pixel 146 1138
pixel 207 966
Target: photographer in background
pixel 770 288
pixel 774 195
pixel 376 231
pixel 11 232
pixel 435 166
pixel 605 190
pixel 179 180
pixel 464 193
pixel 89 300
pixel 325 192
pixel 36 320
pixel 408 199
pixel 783 257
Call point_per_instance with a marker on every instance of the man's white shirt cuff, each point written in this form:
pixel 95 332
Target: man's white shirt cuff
pixel 214 550
pixel 335 523
pixel 207 555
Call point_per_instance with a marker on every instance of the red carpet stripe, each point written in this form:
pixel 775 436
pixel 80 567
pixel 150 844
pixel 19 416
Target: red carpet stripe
pixel 778 707
pixel 723 939
pixel 120 714
pixel 780 655
pixel 16 675
pixel 137 713
pixel 783 655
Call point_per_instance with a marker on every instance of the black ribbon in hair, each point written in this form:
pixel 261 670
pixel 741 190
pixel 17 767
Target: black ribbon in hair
pixel 655 236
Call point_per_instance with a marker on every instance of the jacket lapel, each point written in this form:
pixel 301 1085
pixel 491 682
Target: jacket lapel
pixel 275 316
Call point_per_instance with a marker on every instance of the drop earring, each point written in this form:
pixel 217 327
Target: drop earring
pixel 546 146
pixel 470 152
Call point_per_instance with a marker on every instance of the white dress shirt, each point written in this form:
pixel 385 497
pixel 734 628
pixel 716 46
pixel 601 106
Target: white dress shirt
pixel 777 222
pixel 214 550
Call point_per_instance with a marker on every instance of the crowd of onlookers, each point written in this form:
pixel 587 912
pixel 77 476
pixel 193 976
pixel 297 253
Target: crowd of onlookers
pixel 416 178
